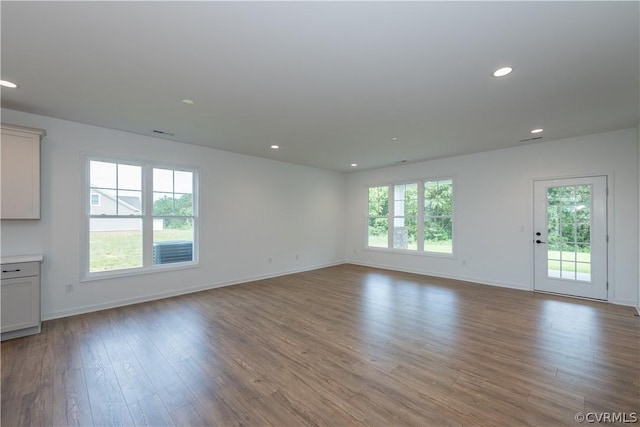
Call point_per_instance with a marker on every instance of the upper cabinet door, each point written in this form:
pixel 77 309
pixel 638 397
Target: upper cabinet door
pixel 20 173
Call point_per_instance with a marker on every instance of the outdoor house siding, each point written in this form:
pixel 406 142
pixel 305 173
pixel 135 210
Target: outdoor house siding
pixel 107 206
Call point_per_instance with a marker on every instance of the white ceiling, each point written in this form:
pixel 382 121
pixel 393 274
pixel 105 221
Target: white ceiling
pixel 330 82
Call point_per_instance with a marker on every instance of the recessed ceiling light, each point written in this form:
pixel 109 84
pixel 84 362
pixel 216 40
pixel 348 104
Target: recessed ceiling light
pixel 353 165
pixel 275 147
pixel 7 83
pixel 501 72
pixel 395 138
pixel 538 130
pixel 188 101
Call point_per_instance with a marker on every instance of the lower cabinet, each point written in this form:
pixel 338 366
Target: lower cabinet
pixel 20 294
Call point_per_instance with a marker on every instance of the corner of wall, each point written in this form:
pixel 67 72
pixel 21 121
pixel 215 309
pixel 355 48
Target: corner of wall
pixel 638 294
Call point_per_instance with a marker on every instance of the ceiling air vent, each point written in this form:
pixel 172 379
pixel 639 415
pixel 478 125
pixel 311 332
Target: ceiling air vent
pixel 531 139
pixel 161 132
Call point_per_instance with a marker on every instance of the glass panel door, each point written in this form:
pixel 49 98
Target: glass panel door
pixel 570 236
pixel 569 232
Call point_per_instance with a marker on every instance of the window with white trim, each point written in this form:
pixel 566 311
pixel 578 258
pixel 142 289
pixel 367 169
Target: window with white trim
pixel 415 216
pixel 378 220
pixel 144 217
pixel 405 216
pixel 438 216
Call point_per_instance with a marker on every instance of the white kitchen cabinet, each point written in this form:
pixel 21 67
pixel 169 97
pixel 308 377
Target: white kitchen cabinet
pixel 20 295
pixel 20 169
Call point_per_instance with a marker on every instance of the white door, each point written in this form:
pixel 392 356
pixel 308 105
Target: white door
pixel 570 236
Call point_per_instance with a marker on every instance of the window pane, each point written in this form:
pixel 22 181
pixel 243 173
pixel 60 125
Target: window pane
pixel 378 232
pixel 583 232
pixel 115 243
pixel 405 210
pixel 431 206
pixel 583 195
pixel 568 252
pixel 553 197
pixel 168 204
pixel 379 201
pixel 568 270
pixel 107 205
pixel 116 190
pixel 163 204
pixel 583 271
pixel 583 253
pixel 553 219
pixel 438 235
pixel 567 228
pixel 405 236
pixel 183 182
pixel 400 238
pixel 566 196
pixel 438 198
pixel 163 180
pixel 553 268
pixel 554 252
pixel 102 174
pixel 172 240
pixel 183 204
pixel 438 212
pixel 129 177
pixel 129 203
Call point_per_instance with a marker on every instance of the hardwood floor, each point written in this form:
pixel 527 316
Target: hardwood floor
pixel 345 345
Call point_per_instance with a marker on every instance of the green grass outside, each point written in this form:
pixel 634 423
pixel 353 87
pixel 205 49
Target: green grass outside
pixel 582 262
pixel 444 246
pixel 111 250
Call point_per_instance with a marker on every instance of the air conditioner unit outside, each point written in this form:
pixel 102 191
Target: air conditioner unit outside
pixel 173 251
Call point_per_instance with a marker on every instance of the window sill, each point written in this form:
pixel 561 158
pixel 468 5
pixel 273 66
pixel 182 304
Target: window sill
pixel 410 252
pixel 119 274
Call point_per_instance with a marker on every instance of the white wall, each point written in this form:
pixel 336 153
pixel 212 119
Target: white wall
pixel 252 209
pixel 494 205
pixel 638 300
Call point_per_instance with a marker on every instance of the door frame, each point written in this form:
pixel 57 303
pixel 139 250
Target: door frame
pixel 609 225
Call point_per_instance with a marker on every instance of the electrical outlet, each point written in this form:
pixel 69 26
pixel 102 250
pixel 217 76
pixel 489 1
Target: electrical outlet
pixel 297 256
pixel 269 260
pixel 68 288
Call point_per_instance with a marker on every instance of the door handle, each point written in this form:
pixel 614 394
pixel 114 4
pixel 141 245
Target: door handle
pixel 540 241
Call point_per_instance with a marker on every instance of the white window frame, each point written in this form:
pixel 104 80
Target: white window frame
pixel 421 215
pixel 146 216
pixel 392 225
pixel 388 216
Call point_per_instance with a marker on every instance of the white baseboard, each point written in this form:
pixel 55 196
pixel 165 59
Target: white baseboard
pixel 160 295
pixel 520 286
pixel 628 303
pixel 192 289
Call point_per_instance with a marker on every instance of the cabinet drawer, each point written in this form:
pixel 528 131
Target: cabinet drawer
pixel 21 269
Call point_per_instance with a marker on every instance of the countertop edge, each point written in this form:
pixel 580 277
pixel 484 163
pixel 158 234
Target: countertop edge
pixel 13 259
